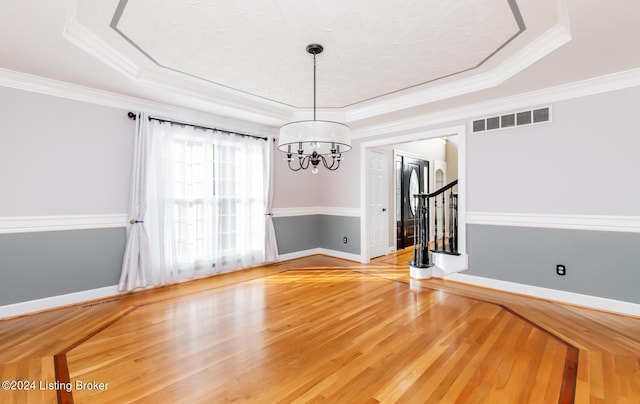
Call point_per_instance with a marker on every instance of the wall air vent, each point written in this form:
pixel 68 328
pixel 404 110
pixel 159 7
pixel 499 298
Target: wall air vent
pixel 510 120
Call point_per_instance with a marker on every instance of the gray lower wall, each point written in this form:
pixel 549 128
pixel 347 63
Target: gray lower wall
pixel 300 233
pixel 44 264
pixel 598 263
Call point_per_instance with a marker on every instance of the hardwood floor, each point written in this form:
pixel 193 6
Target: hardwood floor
pixel 324 330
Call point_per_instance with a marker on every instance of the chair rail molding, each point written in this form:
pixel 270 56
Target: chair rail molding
pixel 26 224
pixel 629 224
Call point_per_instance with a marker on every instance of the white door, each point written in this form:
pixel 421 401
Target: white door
pixel 377 200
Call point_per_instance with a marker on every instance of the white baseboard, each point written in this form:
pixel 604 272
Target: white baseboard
pixel 18 309
pixel 324 251
pixel 47 303
pixel 593 302
pixel 445 264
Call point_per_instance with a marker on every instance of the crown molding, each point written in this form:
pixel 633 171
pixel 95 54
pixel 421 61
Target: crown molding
pixel 42 85
pixel 583 88
pixel 56 88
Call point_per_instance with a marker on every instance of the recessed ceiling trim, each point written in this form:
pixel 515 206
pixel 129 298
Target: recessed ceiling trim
pixel 122 4
pixel 539 48
pixel 598 85
pixel 86 40
pixel 521 28
pixel 114 25
pixel 223 102
pixel 217 103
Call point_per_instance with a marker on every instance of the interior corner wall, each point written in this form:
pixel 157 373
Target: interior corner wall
pixel 61 159
pixel 323 196
pixel 309 232
pixel 582 164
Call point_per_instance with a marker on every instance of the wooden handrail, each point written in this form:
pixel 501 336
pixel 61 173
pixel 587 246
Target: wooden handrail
pixel 439 191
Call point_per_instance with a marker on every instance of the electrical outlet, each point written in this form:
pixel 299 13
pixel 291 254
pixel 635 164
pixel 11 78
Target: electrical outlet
pixel 561 270
pixel 344 240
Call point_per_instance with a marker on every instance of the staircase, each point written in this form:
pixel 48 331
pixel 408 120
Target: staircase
pixel 436 233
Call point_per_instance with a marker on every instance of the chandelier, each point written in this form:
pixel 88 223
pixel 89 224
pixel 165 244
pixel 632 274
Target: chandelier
pixel 307 143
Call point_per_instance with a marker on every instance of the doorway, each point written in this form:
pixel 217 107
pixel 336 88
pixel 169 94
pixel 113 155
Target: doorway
pixel 416 134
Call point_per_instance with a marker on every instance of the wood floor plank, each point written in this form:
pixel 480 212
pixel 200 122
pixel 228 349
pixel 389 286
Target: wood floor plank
pixel 321 329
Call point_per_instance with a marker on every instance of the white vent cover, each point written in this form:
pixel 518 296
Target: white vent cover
pixel 533 116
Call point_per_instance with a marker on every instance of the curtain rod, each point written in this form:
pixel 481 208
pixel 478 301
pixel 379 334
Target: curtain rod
pixel 132 115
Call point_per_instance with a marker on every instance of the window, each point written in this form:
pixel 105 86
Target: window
pixel 212 194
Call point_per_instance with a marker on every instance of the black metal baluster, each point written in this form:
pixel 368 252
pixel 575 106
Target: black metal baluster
pixel 444 225
pixel 455 213
pixel 416 229
pixel 451 220
pixel 425 228
pixel 435 223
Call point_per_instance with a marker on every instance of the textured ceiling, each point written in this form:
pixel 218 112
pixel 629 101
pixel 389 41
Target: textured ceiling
pixel 258 46
pixel 69 48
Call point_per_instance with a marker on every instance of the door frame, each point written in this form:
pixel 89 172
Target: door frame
pixel 391 138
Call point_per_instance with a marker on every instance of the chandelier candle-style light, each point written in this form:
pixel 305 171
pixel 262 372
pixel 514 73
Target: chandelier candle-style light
pixel 307 143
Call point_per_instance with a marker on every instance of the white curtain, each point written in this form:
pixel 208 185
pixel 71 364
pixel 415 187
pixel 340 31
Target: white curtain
pixel 136 271
pixel 271 247
pixel 206 198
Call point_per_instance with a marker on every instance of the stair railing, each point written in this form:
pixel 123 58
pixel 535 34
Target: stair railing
pixel 445 238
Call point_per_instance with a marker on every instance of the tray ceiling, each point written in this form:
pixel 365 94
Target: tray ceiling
pixel 245 60
pixel 258 46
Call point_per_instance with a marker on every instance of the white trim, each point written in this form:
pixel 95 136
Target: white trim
pixel 315 210
pixel 241 120
pixel 323 251
pixel 532 99
pixel 199 89
pixel 545 44
pixel 611 82
pixel 18 309
pixel 25 224
pixel 593 302
pixel 88 41
pixel 629 224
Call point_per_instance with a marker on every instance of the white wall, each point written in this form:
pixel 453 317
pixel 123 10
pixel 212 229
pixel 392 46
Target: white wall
pixel 432 149
pixel 452 158
pixel 302 189
pixel 584 162
pixel 62 157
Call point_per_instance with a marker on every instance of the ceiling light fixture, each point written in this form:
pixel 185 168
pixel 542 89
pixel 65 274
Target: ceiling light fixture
pixel 314 141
